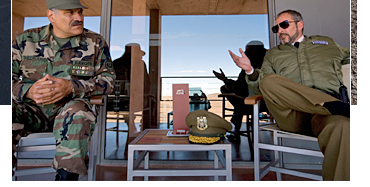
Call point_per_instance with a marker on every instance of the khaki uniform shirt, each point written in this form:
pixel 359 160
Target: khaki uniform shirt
pixel 317 63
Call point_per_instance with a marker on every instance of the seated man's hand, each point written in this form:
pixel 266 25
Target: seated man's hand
pixel 49 90
pixel 242 62
pixel 220 76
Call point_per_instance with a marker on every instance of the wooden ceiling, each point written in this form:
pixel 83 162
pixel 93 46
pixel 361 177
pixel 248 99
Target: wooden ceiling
pixel 37 8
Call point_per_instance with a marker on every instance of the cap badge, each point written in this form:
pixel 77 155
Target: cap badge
pixel 202 123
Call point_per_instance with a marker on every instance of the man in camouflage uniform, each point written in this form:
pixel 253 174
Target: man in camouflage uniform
pixel 54 68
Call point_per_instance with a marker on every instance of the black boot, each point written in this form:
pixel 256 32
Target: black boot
pixel 338 108
pixel 63 175
pixel 234 137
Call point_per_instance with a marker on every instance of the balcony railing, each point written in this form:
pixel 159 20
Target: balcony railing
pixel 210 85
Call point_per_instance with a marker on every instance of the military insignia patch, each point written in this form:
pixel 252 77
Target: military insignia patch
pixel 109 65
pixel 82 68
pixel 202 123
pixel 320 42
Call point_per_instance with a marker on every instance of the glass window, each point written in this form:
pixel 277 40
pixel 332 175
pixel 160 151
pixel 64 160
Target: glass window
pixel 130 106
pixel 123 33
pixel 193 46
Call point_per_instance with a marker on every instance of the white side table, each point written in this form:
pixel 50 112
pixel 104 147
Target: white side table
pixel 162 142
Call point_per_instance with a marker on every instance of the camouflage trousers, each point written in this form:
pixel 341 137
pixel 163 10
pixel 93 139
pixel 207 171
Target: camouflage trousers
pixel 72 123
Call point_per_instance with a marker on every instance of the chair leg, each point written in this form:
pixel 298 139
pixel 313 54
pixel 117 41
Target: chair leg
pixel 255 142
pixel 277 155
pixel 250 140
pixel 281 156
pixel 117 132
pixel 91 171
pixel 14 178
pixel 168 120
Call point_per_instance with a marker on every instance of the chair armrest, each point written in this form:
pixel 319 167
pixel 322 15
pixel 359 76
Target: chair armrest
pixel 97 99
pixel 231 95
pixel 252 100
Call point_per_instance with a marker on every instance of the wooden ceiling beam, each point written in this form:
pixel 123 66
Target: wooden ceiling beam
pixel 37 8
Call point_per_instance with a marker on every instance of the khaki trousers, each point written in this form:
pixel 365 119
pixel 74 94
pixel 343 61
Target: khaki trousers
pixel 296 108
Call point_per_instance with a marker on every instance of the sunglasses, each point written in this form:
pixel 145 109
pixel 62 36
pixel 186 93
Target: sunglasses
pixel 284 24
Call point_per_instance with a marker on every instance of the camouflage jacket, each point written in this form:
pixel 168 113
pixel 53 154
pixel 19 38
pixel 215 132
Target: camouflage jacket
pixel 84 60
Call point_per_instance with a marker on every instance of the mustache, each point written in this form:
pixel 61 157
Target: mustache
pixel 283 34
pixel 76 23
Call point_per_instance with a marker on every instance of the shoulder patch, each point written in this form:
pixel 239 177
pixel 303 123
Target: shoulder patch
pixel 320 42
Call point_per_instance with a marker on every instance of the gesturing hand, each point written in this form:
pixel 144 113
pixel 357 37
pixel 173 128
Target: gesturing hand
pixel 49 90
pixel 221 75
pixel 242 62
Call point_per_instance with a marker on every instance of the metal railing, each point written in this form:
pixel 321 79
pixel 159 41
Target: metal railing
pixel 216 86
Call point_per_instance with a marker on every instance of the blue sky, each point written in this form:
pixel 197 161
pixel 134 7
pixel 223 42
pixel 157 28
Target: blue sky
pixel 198 44
pixel 190 45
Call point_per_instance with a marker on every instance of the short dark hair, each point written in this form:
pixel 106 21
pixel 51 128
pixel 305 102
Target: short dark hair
pixel 296 16
pixel 54 10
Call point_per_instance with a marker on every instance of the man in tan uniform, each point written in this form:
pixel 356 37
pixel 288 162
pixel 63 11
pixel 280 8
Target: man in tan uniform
pixel 300 85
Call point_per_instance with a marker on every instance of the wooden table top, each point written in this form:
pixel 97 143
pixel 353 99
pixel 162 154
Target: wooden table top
pixel 160 137
pixel 155 136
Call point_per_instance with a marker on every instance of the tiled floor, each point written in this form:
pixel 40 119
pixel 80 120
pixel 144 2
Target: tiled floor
pixel 238 174
pixel 118 173
pixel 241 156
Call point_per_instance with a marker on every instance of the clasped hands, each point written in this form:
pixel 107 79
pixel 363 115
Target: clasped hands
pixel 49 90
